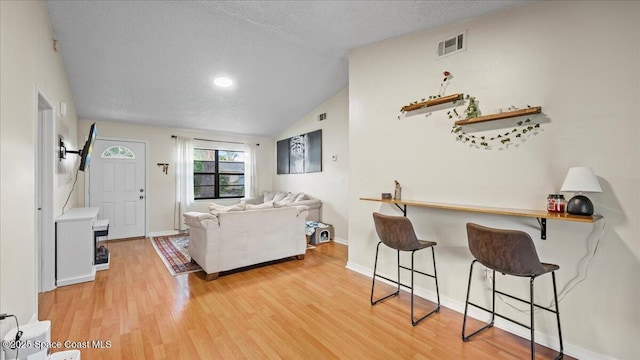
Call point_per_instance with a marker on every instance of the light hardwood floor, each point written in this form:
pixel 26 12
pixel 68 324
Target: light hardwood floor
pixel 309 309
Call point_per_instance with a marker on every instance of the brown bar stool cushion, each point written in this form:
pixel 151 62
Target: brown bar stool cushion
pixel 397 233
pixel 509 252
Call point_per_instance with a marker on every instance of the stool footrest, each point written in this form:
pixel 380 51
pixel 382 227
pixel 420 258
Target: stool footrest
pixel 526 301
pixel 498 315
pixel 396 282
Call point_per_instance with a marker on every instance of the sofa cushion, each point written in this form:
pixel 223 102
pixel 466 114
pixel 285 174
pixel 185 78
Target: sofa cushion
pixel 200 216
pixel 311 203
pixel 197 219
pixel 268 195
pixel 216 209
pixel 274 195
pixel 282 203
pixel 299 197
pixel 266 205
pixel 288 200
pixel 280 195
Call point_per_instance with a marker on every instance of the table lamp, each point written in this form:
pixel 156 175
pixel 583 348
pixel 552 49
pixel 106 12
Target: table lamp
pixel 580 179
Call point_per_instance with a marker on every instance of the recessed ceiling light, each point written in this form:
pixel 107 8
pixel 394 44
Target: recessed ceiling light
pixel 222 82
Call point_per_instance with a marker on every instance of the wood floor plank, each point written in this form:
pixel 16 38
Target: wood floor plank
pixel 313 309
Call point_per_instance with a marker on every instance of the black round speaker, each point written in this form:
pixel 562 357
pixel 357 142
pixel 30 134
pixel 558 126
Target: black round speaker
pixel 580 205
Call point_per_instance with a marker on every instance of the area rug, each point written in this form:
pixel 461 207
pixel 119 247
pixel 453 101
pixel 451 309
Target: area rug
pixel 174 252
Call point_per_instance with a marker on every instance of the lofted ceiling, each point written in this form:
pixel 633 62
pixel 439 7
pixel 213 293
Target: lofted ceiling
pixel 153 62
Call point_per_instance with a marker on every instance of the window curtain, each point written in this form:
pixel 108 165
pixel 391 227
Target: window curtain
pixel 184 180
pixel 251 170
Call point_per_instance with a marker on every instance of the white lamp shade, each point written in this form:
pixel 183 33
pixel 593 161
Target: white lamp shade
pixel 581 179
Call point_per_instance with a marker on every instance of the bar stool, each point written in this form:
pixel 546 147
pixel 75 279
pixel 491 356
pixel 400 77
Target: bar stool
pixel 397 233
pixel 509 252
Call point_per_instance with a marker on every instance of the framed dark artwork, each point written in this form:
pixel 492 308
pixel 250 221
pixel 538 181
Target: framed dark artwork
pixel 283 156
pixel 300 154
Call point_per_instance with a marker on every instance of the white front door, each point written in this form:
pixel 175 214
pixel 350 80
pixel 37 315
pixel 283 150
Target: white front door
pixel 117 186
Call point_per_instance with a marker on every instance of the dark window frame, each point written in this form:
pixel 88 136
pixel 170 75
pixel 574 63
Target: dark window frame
pixel 217 174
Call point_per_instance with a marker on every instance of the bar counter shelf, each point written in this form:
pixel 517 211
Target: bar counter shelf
pixel 540 215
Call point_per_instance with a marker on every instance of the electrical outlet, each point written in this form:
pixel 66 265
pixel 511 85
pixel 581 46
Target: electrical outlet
pixel 488 274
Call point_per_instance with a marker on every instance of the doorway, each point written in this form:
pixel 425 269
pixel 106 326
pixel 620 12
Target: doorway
pixel 116 185
pixel 44 175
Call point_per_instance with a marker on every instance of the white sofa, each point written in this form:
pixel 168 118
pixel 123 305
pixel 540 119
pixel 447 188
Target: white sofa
pixel 227 240
pixel 283 198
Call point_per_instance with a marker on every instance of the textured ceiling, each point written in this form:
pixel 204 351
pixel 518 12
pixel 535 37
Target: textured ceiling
pixel 152 62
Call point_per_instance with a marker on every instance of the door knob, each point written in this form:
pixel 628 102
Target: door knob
pixel 141 190
pixel 141 197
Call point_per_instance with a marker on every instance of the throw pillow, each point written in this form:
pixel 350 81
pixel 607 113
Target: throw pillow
pixel 287 200
pixel 216 209
pixel 289 197
pixel 199 216
pixel 267 205
pixel 280 195
pixel 268 195
pixel 299 197
pixel 282 203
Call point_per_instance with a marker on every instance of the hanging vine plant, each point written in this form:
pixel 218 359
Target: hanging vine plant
pixel 426 102
pixel 472 112
pixel 523 127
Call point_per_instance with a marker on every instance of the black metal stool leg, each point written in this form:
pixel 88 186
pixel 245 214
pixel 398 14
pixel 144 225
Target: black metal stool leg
pixel 375 266
pixel 398 267
pixel 414 321
pixel 533 328
pixel 373 283
pixel 555 297
pixel 435 275
pixel 466 302
pixel 493 303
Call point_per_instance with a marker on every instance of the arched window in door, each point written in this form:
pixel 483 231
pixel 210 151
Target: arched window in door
pixel 118 152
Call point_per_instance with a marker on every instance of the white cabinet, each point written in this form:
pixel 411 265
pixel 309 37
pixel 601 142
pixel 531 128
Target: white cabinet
pixel 75 252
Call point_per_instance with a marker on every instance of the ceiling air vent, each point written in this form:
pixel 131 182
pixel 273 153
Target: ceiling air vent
pixel 452 45
pixel 322 116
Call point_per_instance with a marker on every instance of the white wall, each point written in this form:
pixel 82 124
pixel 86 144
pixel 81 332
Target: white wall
pixel 580 62
pixel 330 185
pixel 161 149
pixel 27 61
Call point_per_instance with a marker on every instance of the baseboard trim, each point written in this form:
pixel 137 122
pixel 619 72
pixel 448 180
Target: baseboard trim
pixel 341 241
pixel 458 306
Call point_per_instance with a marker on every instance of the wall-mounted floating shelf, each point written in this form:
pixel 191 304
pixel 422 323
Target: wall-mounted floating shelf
pixel 540 215
pixel 432 102
pixel 504 115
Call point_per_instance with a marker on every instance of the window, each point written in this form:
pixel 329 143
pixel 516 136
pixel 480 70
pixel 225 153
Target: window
pixel 218 174
pixel 118 152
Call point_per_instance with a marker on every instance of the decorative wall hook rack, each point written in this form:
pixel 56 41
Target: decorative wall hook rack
pixel 165 167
